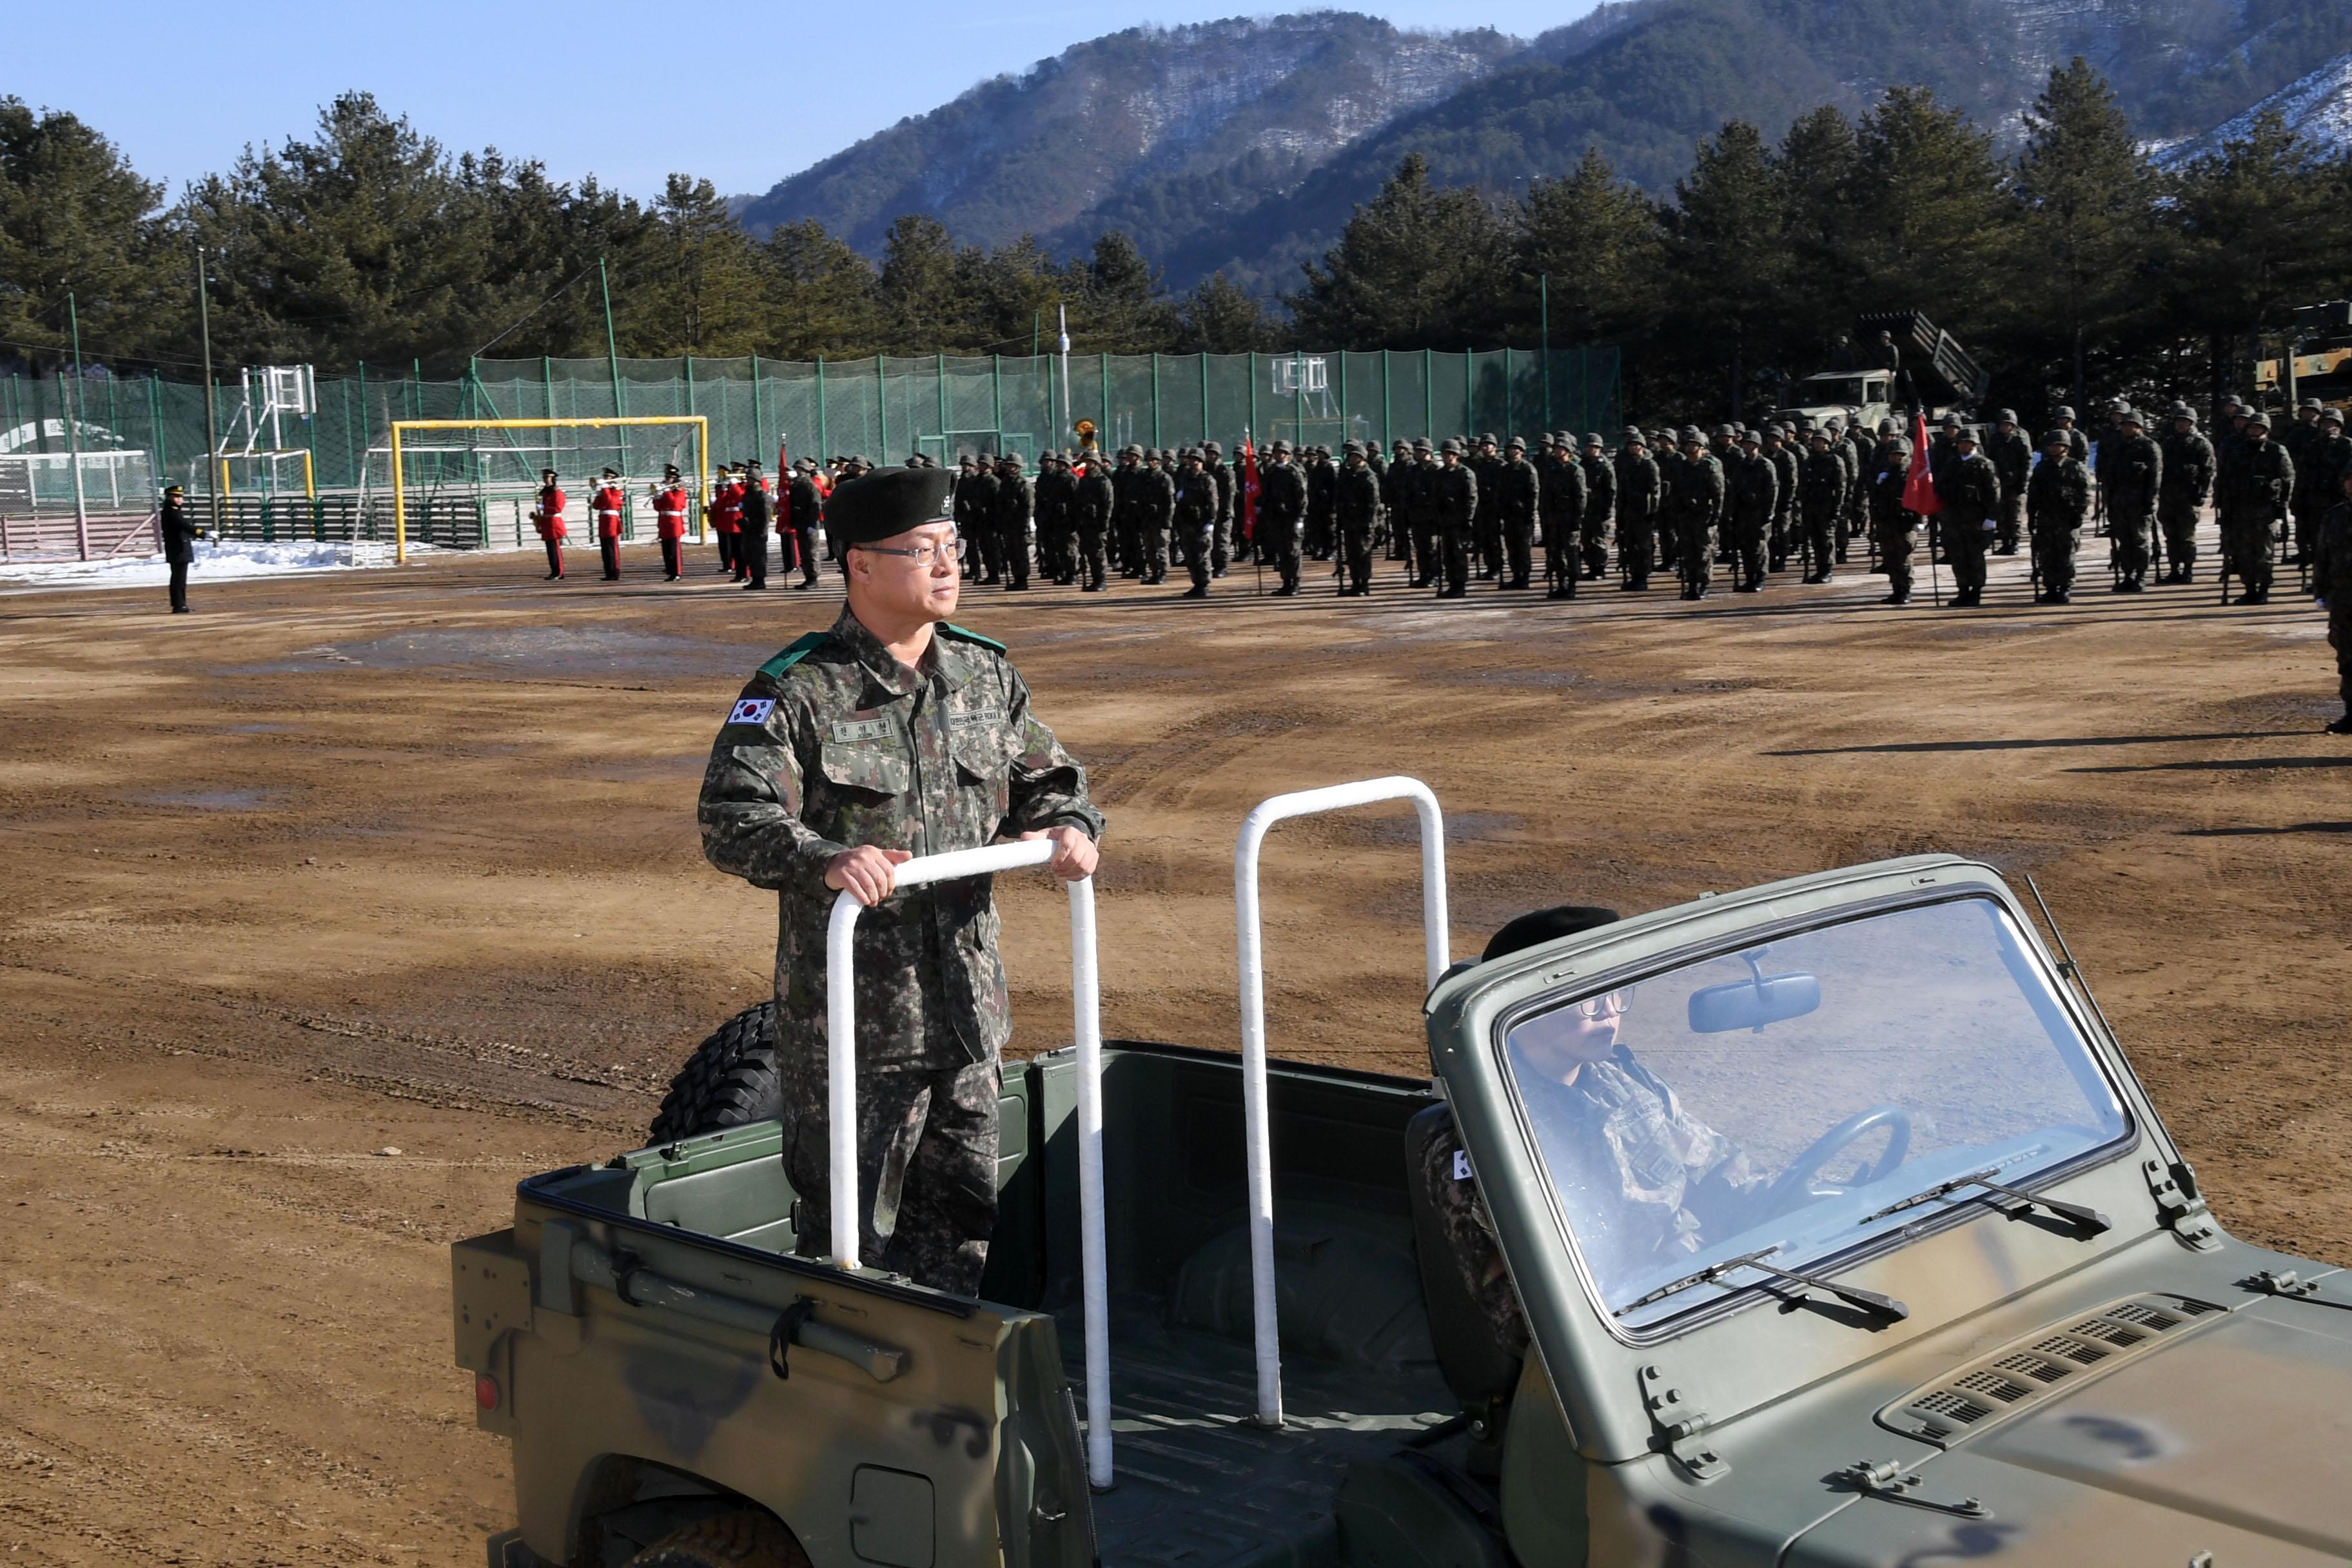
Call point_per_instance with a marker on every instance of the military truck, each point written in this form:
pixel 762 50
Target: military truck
pixel 1828 1222
pixel 1938 374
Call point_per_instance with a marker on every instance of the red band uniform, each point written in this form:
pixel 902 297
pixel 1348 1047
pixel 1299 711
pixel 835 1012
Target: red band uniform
pixel 606 505
pixel 548 517
pixel 669 523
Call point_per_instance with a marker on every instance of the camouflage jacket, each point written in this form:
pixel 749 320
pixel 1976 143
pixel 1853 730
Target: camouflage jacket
pixel 2187 467
pixel 835 744
pixel 1642 1180
pixel 1355 500
pixel 2058 496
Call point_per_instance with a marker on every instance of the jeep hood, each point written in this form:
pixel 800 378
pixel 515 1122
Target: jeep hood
pixel 2236 1440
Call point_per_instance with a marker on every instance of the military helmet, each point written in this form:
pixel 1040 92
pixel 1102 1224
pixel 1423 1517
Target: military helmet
pixel 1210 450
pixel 1724 433
pixel 2256 416
pixel 2311 403
pixel 2180 411
pixel 2327 415
pixel 1834 423
pixel 2130 416
pixel 1964 433
pixel 1420 444
pixel 1486 439
pixel 1451 444
pixel 2061 412
pixel 1516 444
pixel 1776 431
pixel 1750 438
pixel 1889 428
pixel 1351 448
pixel 2056 437
pixel 2004 415
pixel 1593 439
pixel 1280 448
pixel 1401 445
pixel 1823 436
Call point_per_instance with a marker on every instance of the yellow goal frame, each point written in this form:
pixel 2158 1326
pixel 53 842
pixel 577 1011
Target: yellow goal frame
pixel 700 423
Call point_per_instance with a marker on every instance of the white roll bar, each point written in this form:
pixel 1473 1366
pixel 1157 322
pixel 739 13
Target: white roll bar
pixel 841 1099
pixel 1256 1137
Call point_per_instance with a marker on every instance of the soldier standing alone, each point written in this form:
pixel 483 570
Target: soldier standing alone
pixel 2057 500
pixel 1970 492
pixel 893 735
pixel 2131 471
pixel 2187 482
pixel 180 532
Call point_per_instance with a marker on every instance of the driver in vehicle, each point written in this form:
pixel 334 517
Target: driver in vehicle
pixel 1645 1180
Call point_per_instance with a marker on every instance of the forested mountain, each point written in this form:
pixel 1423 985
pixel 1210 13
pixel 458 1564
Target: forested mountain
pixel 1219 111
pixel 1242 146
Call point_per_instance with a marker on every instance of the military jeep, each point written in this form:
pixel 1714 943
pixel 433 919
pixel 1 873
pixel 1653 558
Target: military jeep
pixel 1896 1263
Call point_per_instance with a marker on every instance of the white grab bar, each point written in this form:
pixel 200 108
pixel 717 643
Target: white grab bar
pixel 841 1099
pixel 1256 1137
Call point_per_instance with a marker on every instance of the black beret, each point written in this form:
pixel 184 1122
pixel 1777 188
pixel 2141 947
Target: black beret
pixel 1545 925
pixel 886 502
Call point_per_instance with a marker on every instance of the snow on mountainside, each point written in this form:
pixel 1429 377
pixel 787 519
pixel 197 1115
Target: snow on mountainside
pixel 2319 106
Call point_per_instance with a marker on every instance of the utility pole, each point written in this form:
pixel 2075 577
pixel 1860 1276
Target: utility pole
pixel 73 431
pixel 611 348
pixel 1543 296
pixel 212 417
pixel 1067 417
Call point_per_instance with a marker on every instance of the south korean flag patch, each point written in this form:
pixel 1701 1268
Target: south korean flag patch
pixel 751 710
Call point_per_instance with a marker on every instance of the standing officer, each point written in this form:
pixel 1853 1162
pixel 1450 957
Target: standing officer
pixel 1093 510
pixel 1192 506
pixel 1281 514
pixel 1485 463
pixel 1355 510
pixel 180 531
pixel 751 510
pixel 1014 503
pixel 1787 466
pixel 804 508
pixel 547 516
pixel 1322 481
pixel 974 504
pixel 890 735
pixel 1417 489
pixel 2187 484
pixel 669 521
pixel 2058 498
pixel 1894 525
pixel 725 508
pixel 1820 494
pixel 1970 491
pixel 1517 510
pixel 1393 479
pixel 2011 456
pixel 2334 580
pixel 1453 494
pixel 2314 492
pixel 2131 470
pixel 604 505
pixel 1755 501
pixel 1599 506
pixel 1127 526
pixel 2253 494
pixel 1058 532
pixel 1640 488
pixel 2330 457
pixel 1560 499
pixel 1155 512
pixel 1694 509
pixel 2062 417
pixel 1213 463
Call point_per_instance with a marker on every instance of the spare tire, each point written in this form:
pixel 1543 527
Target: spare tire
pixel 728 1081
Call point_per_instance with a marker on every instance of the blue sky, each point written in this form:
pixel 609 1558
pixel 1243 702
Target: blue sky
pixel 741 93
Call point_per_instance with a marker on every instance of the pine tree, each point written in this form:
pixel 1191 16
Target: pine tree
pixel 2087 241
pixel 1596 241
pixel 706 280
pixel 821 294
pixel 916 289
pixel 1218 317
pixel 1725 244
pixel 1931 212
pixel 1816 166
pixel 1413 268
pixel 74 216
pixel 2260 234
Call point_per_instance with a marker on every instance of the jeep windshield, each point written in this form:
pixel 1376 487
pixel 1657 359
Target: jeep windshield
pixel 1799 1099
pixel 1842 391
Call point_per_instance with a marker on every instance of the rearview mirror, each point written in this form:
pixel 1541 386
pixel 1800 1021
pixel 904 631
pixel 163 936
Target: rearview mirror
pixel 1752 1004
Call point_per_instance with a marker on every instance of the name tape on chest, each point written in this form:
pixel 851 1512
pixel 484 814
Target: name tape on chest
pixel 751 710
pixel 850 731
pixel 977 716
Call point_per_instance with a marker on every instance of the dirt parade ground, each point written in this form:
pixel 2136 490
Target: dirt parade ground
pixel 335 908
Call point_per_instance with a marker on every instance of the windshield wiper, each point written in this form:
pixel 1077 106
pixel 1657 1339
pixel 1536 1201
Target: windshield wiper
pixel 2081 1214
pixel 1868 1301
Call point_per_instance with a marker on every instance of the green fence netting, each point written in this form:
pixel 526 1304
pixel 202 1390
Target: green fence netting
pixel 884 408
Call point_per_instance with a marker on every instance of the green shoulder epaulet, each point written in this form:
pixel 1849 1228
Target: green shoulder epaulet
pixel 792 655
pixel 954 630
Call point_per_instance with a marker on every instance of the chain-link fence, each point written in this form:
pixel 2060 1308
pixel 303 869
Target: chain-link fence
pixel 883 409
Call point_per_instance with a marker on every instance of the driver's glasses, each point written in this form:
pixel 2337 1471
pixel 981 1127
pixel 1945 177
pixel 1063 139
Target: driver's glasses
pixel 924 556
pixel 1608 1004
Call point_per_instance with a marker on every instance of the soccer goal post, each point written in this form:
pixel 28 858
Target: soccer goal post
pixel 694 424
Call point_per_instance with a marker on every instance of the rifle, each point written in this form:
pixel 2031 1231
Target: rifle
pixel 1935 579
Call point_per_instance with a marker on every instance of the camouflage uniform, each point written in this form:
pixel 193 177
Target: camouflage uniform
pixel 2333 582
pixel 1755 500
pixel 2057 500
pixel 1599 506
pixel 1562 502
pixel 1821 491
pixel 2187 482
pixel 1644 1182
pixel 835 744
pixel 1694 508
pixel 2131 473
pixel 1518 508
pixel 1356 506
pixel 1641 485
pixel 1894 527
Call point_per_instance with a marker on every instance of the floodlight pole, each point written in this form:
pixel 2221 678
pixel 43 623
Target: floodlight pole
pixel 611 348
pixel 212 417
pixel 1064 345
pixel 1544 296
pixel 73 431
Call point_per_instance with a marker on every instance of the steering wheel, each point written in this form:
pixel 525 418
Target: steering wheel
pixel 1796 1181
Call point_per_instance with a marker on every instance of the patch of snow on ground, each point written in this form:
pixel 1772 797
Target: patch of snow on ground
pixel 227 562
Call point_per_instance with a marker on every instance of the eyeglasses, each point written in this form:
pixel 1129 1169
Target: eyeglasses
pixel 923 555
pixel 1608 1004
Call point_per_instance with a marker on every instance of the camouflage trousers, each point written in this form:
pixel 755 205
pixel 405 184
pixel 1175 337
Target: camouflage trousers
pixel 2339 633
pixel 2177 515
pixel 2012 521
pixel 2054 556
pixel 2130 520
pixel 926 1168
pixel 1595 542
pixel 2248 536
pixel 1897 537
pixel 1694 553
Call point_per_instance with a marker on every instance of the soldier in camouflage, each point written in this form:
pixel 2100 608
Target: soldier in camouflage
pixel 2333 544
pixel 1640 486
pixel 2256 481
pixel 1213 463
pixel 2188 483
pixel 1355 513
pixel 1517 510
pixel 1821 491
pixel 2131 473
pixel 1563 499
pixel 1694 508
pixel 1755 498
pixel 1599 506
pixel 1193 508
pixel 2011 456
pixel 1970 491
pixel 892 735
pixel 2057 500
pixel 1895 528
pixel 1453 494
